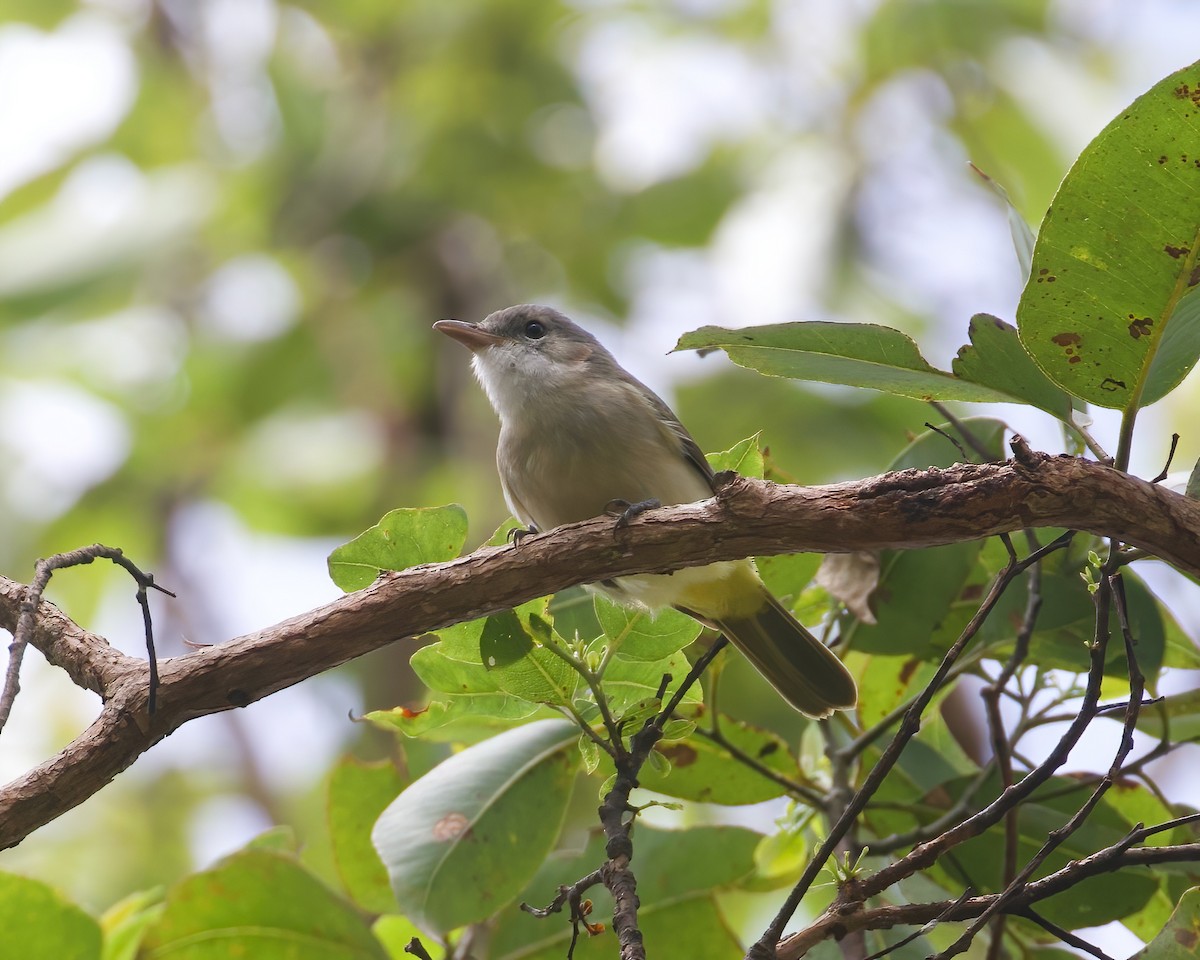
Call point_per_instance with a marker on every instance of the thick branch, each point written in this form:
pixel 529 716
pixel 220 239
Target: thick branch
pixel 912 508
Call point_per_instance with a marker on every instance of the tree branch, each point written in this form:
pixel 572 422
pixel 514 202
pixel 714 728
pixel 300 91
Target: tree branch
pixel 907 509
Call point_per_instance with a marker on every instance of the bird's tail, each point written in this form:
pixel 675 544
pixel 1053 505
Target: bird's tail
pixel 804 671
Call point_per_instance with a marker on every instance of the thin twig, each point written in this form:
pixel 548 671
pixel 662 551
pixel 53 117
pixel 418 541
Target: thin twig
pixel 1000 743
pixel 615 872
pixel 417 949
pixel 964 431
pixel 764 947
pixel 1170 456
pixel 43 571
pixel 1066 936
pixel 921 931
pixel 1110 593
pixel 799 790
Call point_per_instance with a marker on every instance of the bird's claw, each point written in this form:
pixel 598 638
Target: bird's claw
pixel 625 511
pixel 517 534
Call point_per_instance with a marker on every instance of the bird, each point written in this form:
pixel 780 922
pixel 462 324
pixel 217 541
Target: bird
pixel 581 437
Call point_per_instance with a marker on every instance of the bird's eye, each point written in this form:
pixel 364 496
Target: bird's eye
pixel 534 330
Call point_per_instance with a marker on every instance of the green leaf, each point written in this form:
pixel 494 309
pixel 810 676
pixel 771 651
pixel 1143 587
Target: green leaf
pixel 126 921
pixel 886 682
pixel 1066 625
pixel 1022 234
pixel 917 592
pixel 1180 938
pixel 462 841
pixel 1109 312
pixel 856 354
pixel 743 457
pixel 678 872
pixel 523 667
pixel 996 359
pixel 1175 717
pixel 440 670
pixel 396 933
pixel 788 574
pixel 402 539
pixel 630 683
pixel 358 792
pixel 641 635
pixel 1094 901
pixel 259 904
pixel 277 839
pixel 707 772
pixel 37 922
pixel 467 717
pixel 39 13
pixel 932 449
pixel 1193 485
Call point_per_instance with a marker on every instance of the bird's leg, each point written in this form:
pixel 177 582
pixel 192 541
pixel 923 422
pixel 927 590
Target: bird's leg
pixel 517 534
pixel 625 511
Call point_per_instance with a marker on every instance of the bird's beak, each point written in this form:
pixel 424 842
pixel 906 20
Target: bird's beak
pixel 470 335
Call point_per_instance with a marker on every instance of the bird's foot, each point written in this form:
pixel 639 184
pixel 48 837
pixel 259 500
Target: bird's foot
pixel 625 511
pixel 517 534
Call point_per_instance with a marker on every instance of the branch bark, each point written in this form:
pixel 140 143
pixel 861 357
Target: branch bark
pixel 907 509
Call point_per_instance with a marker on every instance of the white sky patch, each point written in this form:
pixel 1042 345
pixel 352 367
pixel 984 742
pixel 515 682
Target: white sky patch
pixel 661 104
pixel 106 212
pixel 57 441
pixel 127 350
pixel 299 448
pixel 249 298
pixel 47 108
pixel 239 36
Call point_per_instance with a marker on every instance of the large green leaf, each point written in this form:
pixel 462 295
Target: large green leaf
pixel 37 922
pixel 641 635
pixel 628 683
pixel 1109 311
pixel 678 872
pixel 996 359
pixel 464 718
pixel 1175 717
pixel 358 793
pixel 402 539
pixel 1096 900
pixel 522 666
pixel 126 921
pixel 1180 938
pixel 706 771
pixel 744 457
pixel 461 842
pixel 260 904
pixel 856 354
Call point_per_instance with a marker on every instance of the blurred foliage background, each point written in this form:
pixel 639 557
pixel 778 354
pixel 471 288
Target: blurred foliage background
pixel 227 225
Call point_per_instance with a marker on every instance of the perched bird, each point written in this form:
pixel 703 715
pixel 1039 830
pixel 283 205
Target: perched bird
pixel 578 433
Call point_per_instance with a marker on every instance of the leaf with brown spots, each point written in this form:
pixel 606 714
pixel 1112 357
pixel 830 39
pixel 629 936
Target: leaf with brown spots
pixel 1119 325
pixel 1180 938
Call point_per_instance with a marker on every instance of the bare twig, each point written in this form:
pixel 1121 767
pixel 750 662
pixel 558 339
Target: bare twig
pixel 796 789
pixel 1000 744
pixel 1111 592
pixel 1066 936
pixel 417 949
pixel 30 603
pixel 764 948
pixel 1170 456
pixel 963 430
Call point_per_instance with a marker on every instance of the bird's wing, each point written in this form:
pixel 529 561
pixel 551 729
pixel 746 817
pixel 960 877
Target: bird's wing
pixel 688 446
